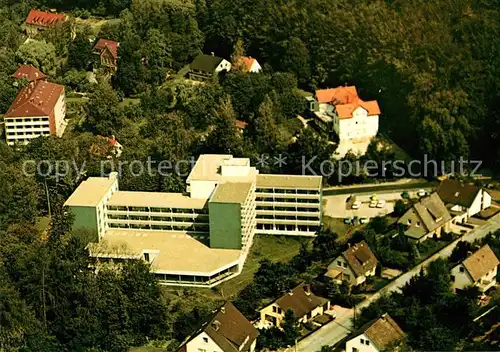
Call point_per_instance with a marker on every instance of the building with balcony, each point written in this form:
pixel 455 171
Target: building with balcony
pixel 38 110
pixel 479 269
pixel 197 238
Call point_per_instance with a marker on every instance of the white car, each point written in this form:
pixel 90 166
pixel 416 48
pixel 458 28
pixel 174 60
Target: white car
pixel 363 220
pixel 381 203
pixel 421 193
pixel 356 205
pixel 373 204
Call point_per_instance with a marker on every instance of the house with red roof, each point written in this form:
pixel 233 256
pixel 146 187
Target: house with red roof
pixel 31 73
pixel 38 110
pixel 40 20
pixel 247 64
pixel 107 50
pixel 342 111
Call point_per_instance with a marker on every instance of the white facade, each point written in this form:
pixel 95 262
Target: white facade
pixel 204 343
pixel 359 127
pixel 255 68
pixel 59 115
pixel 361 343
pixel 223 66
pixel 462 279
pixel 21 130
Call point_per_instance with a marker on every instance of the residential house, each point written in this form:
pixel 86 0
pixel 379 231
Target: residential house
pixel 40 20
pixel 38 110
pixel 354 265
pixel 205 66
pixel 463 200
pixel 29 72
pixel 382 334
pixel 301 300
pixel 425 219
pixel 108 147
pixel 247 64
pixel 226 330
pixel 478 269
pixel 107 50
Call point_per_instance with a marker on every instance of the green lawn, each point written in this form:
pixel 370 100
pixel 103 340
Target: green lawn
pixel 129 101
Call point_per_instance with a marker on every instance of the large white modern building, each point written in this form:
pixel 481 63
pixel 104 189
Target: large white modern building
pixel 38 110
pixel 201 237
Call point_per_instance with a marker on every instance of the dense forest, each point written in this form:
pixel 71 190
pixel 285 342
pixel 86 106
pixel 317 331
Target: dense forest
pixel 434 67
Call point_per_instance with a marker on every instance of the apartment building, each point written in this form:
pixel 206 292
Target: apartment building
pixel 38 110
pixel 201 237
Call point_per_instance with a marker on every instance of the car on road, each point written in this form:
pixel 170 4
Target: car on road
pixel 421 193
pixel 381 203
pixel 356 205
pixel 373 204
pixel 364 220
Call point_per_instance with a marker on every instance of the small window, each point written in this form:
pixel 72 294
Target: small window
pixel 462 269
pixel 367 342
pixel 205 339
pixel 339 263
pixel 362 341
pixel 275 310
pixel 146 257
pixel 345 265
pixel 452 277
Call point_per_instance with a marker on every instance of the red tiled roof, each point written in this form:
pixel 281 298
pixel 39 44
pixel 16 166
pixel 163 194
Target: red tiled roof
pixel 241 124
pixel 44 19
pixel 110 44
pixel 30 72
pixel 36 99
pixel 246 62
pixel 346 101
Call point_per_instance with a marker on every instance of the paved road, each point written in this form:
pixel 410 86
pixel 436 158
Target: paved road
pixel 378 188
pixel 334 332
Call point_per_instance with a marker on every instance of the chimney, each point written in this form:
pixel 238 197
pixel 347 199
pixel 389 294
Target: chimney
pixel 216 325
pixel 307 289
pixel 223 310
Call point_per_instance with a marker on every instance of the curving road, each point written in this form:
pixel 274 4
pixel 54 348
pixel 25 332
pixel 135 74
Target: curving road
pixel 338 329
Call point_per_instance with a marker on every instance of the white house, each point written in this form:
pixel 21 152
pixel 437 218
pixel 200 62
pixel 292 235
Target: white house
pixel 247 64
pixel 354 265
pixel 463 199
pixel 227 330
pixel 340 110
pixel 304 304
pixel 205 66
pixel 479 269
pixel 381 334
pixel 38 110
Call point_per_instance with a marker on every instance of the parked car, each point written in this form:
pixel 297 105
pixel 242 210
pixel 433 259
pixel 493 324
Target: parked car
pixel 421 193
pixel 373 197
pixel 381 203
pixel 373 204
pixel 347 220
pixel 356 205
pixel 363 220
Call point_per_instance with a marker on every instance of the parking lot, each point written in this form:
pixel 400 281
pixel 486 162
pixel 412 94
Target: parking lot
pixel 340 206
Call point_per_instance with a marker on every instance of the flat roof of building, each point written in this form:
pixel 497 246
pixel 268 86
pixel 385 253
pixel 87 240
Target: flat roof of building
pixel 231 192
pixel 90 192
pixel 208 167
pixel 155 199
pixel 289 181
pixel 178 253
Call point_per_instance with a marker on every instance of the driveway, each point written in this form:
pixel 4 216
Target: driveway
pixel 333 333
